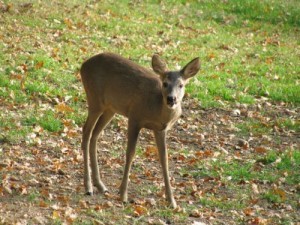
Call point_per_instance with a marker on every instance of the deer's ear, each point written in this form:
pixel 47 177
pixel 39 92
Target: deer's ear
pixel 158 65
pixel 191 69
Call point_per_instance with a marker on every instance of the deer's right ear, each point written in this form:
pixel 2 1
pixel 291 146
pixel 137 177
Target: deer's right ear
pixel 191 69
pixel 158 65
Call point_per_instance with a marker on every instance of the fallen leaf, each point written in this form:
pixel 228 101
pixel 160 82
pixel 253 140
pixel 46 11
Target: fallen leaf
pixel 140 210
pixel 260 150
pixel 254 188
pixel 235 113
pixel 62 107
pixel 55 214
pixel 248 211
pixel 280 192
pixel 43 204
pixel 195 213
pixel 198 223
pixel 243 144
pixel 39 65
pixel 258 221
pixel 151 152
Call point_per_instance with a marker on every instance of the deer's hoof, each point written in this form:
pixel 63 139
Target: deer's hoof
pixel 104 191
pixel 125 203
pixel 172 203
pixel 90 193
pixel 124 199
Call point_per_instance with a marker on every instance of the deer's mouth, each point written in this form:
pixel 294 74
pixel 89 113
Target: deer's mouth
pixel 171 105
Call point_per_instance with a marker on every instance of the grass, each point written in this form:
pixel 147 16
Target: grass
pixel 271 196
pixel 51 123
pixel 236 179
pixel 249 52
pixel 256 52
pixel 276 164
pixel 258 127
pixel 32 197
pixel 222 204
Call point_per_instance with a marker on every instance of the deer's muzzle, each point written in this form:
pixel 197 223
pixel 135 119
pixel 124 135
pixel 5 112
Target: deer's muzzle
pixel 171 100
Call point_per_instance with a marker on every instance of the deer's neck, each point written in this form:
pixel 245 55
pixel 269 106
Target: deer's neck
pixel 170 115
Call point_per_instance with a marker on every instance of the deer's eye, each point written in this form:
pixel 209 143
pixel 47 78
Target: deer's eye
pixel 165 84
pixel 181 85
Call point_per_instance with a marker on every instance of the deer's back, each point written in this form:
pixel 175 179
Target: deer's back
pixel 120 84
pixel 108 65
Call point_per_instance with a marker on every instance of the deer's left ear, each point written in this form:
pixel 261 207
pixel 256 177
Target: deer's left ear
pixel 191 69
pixel 158 65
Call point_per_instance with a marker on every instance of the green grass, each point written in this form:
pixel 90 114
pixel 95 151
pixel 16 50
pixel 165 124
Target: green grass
pixel 222 204
pixel 258 127
pixel 235 178
pixel 246 47
pixel 254 127
pixel 32 197
pixel 289 124
pixel 51 123
pixel 272 197
pixel 277 163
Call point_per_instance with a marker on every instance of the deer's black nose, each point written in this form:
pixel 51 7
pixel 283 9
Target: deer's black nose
pixel 171 100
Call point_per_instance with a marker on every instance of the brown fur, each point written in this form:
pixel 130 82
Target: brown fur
pixel 114 84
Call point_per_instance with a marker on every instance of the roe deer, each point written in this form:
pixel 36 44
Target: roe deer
pixel 114 84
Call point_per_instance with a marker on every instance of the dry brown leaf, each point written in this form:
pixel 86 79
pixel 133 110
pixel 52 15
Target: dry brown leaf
pixel 254 188
pixel 195 213
pixel 280 192
pixel 83 204
pixel 151 152
pixel 62 107
pixel 39 65
pixel 63 199
pixel 43 204
pixel 140 210
pixel 258 221
pixel 248 212
pixel 260 150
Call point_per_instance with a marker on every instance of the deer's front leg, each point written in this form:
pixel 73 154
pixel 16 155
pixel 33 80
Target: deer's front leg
pixel 160 137
pixel 133 133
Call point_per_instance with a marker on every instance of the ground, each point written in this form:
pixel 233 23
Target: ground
pixel 43 182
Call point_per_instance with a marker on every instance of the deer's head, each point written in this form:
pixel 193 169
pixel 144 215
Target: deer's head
pixel 173 82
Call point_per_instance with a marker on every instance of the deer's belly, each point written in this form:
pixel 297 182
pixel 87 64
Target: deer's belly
pixel 157 126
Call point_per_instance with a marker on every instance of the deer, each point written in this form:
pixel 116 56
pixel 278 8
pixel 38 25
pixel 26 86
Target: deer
pixel 149 99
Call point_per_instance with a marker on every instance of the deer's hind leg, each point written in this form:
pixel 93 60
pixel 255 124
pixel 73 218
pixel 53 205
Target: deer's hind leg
pixel 93 116
pixel 103 120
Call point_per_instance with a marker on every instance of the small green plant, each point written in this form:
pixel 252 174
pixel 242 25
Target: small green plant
pixel 239 171
pixel 289 124
pixel 50 122
pixel 269 158
pixel 274 196
pixel 30 121
pixel 33 196
pixel 254 127
pixel 213 202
